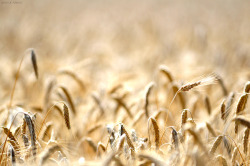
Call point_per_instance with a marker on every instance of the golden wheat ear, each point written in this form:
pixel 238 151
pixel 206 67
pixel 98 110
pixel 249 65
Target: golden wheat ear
pixel 157 132
pixel 216 144
pixel 66 115
pixel 32 133
pixel 34 63
pixel 222 160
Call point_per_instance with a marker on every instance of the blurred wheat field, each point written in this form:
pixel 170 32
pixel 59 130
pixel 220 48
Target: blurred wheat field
pixel 124 82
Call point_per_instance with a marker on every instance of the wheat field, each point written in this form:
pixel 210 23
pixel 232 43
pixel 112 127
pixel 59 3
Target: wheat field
pixel 125 83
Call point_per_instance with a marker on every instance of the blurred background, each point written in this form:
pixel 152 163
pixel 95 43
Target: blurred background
pixel 106 41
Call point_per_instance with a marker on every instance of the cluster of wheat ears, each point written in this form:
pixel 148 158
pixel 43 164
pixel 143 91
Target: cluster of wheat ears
pixel 134 132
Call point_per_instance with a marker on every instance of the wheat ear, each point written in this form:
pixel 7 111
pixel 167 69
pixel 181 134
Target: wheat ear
pixel 216 144
pixel 246 140
pixel 34 62
pixel 32 133
pixel 148 91
pixel 157 132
